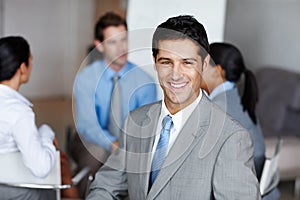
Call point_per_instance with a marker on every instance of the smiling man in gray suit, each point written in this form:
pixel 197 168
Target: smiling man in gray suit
pixel 183 147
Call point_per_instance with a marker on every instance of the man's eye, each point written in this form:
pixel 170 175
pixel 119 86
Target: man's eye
pixel 165 63
pixel 188 63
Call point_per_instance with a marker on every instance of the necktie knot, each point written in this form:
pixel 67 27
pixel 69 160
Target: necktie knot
pixel 115 78
pixel 167 122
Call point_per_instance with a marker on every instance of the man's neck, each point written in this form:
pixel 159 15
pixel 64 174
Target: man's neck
pixel 115 67
pixel 175 108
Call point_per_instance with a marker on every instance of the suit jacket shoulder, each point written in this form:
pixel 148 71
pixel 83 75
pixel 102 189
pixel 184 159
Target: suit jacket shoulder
pixel 142 113
pixel 230 102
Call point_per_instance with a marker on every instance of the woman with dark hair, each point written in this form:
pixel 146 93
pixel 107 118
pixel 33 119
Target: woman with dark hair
pixel 18 131
pixel 219 80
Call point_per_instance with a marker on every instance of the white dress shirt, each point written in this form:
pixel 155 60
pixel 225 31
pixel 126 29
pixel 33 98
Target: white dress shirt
pixel 179 119
pixel 18 132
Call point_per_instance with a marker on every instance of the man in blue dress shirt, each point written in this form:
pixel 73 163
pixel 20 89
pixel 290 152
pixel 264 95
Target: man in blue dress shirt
pixel 93 89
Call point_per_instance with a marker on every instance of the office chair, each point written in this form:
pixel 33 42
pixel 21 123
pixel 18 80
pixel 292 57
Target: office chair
pixel 14 173
pixel 270 175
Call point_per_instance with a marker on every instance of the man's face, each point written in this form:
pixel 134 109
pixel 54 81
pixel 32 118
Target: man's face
pixel 179 68
pixel 115 46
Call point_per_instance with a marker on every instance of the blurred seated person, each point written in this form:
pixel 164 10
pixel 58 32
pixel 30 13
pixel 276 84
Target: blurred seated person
pixel 93 54
pixel 18 131
pixel 220 82
pixel 98 119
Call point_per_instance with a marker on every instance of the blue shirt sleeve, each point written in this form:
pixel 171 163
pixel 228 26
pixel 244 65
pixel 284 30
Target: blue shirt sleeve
pixel 147 91
pixel 86 117
pixel 92 90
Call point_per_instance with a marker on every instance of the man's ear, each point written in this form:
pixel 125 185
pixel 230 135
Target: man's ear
pixel 154 63
pixel 98 45
pixel 206 63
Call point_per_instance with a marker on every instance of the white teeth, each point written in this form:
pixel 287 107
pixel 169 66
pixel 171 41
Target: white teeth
pixel 178 85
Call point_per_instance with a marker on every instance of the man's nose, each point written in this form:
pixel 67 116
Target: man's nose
pixel 122 47
pixel 177 71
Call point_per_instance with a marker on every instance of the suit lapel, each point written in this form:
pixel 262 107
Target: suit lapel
pixel 190 135
pixel 146 144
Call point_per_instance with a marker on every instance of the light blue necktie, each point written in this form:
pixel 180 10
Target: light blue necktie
pixel 161 149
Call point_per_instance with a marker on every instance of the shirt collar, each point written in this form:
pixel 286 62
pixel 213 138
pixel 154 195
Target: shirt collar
pixel 180 117
pixel 11 92
pixel 111 73
pixel 227 85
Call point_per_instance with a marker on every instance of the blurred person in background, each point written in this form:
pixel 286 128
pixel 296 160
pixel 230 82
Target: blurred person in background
pixel 98 120
pixel 225 69
pixel 220 80
pixel 18 131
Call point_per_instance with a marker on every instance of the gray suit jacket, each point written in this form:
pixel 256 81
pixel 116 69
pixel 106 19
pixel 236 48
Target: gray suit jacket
pixel 230 102
pixel 212 158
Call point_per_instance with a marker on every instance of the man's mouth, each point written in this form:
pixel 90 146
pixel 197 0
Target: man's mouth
pixel 178 85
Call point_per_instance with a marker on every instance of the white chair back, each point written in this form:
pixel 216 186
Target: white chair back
pixel 15 173
pixel 270 175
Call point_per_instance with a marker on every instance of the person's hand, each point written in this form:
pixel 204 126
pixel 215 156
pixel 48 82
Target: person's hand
pixel 114 146
pixel 66 177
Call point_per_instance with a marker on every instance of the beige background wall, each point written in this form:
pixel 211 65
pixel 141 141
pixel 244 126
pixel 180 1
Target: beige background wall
pixel 102 6
pixel 58 32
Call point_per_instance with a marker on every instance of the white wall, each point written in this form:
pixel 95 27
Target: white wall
pixel 266 31
pixel 59 32
pixel 143 16
pixel 1 18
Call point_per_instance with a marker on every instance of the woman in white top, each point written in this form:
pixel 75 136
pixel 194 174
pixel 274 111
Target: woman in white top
pixel 18 131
